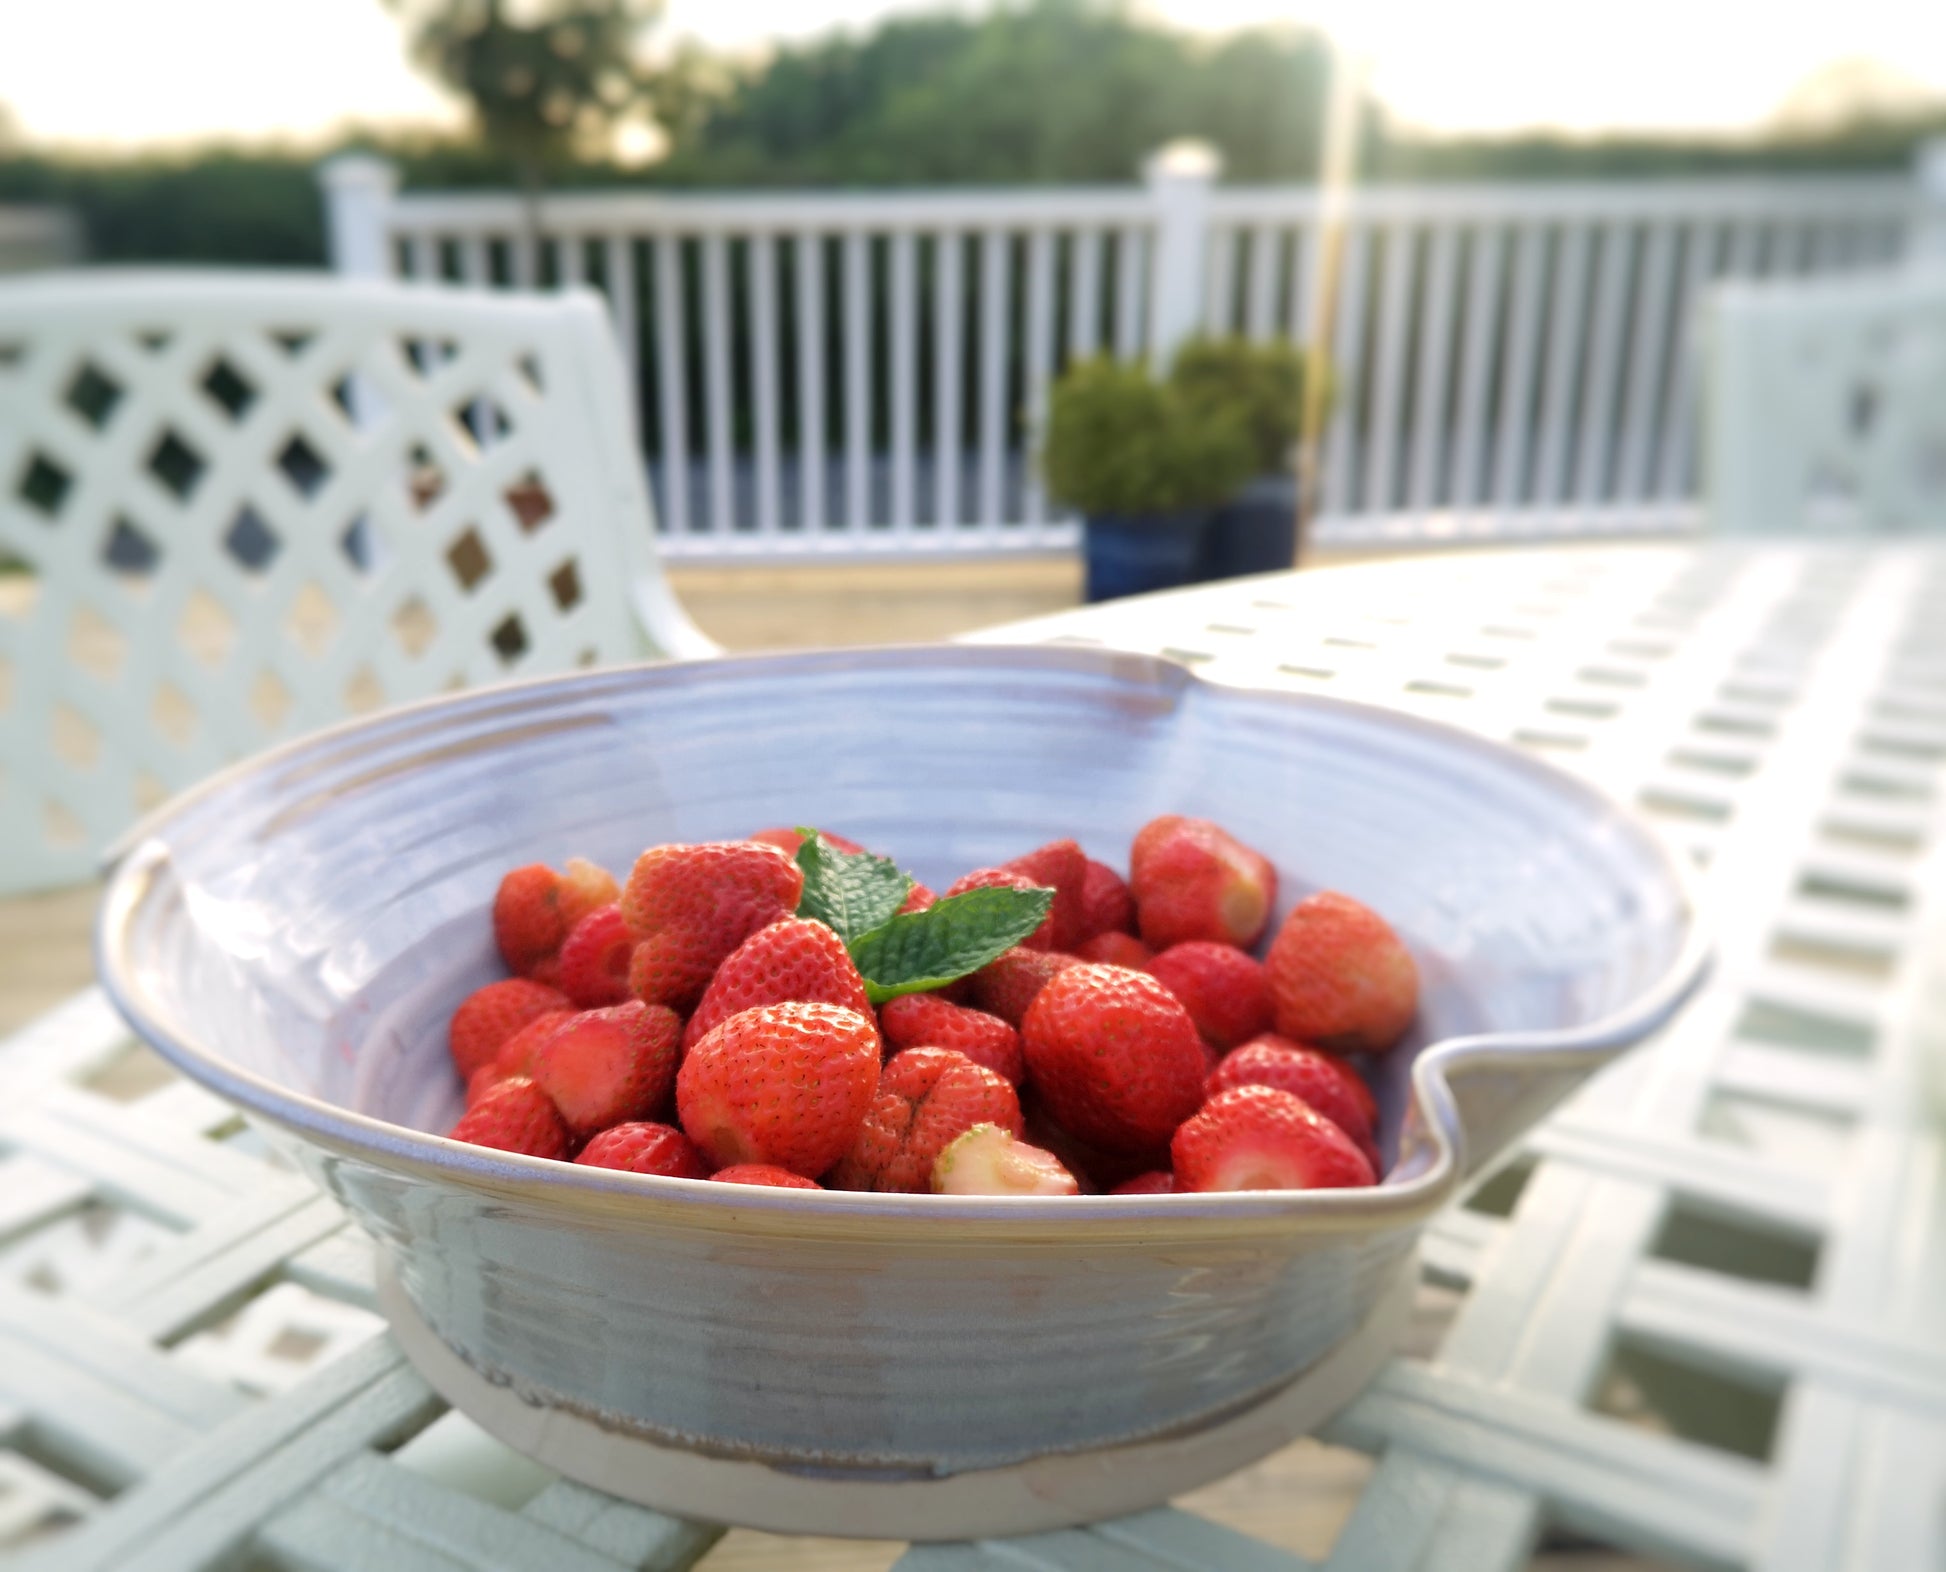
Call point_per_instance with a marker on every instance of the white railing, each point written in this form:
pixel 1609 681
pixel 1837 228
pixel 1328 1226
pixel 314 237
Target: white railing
pixel 36 237
pixel 865 372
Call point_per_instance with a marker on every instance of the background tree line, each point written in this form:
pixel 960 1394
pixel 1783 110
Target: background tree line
pixel 1047 91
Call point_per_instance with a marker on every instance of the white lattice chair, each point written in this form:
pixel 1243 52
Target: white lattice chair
pixel 249 504
pixel 1827 406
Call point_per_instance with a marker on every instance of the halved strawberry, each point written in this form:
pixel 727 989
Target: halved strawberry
pixel 604 1067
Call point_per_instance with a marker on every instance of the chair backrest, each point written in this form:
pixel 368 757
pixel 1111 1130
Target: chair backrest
pixel 1826 409
pixel 236 506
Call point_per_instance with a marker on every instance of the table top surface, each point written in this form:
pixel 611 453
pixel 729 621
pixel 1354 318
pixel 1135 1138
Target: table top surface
pixel 1694 1320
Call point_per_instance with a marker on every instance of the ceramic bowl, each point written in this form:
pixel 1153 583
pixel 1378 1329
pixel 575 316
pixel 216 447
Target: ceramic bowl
pixel 295 933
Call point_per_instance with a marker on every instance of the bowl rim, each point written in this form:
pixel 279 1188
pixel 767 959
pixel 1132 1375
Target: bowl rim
pixel 139 864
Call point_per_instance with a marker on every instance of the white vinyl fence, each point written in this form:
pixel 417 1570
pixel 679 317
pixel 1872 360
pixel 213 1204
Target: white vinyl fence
pixel 851 372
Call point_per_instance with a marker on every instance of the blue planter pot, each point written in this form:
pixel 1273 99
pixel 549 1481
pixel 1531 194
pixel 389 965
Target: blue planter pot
pixel 1254 532
pixel 1137 554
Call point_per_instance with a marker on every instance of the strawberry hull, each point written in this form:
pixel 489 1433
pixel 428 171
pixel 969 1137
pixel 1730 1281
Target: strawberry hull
pixel 297 934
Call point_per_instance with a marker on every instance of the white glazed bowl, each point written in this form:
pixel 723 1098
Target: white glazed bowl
pixel 295 934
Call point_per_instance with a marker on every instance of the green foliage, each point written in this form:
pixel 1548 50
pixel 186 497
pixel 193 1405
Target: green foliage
pixel 1119 442
pixel 1261 385
pixel 851 893
pixel 953 937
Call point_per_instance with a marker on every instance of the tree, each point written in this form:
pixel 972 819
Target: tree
pixel 545 78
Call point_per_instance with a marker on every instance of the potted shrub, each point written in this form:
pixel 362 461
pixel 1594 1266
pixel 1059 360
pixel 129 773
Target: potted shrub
pixel 1263 387
pixel 1145 465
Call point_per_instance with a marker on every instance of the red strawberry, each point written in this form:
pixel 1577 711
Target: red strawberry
pixel 1114 1055
pixel 1106 905
pixel 1224 990
pixel 642 1148
pixel 516 1056
pixel 918 898
pixel 924 1020
pixel 927 1098
pixel 585 888
pixel 797 960
pixel 595 957
pixel 1194 880
pixel 787 841
pixel 1329 1085
pixel 1340 978
pixel 986 1160
pixel 1096 1168
pixel 1116 948
pixel 1006 987
pixel 1258 1138
pixel 1006 879
pixel 515 1117
pixel 765 1174
pixel 607 1066
pixel 1062 867
pixel 690 906
pixel 488 1016
pixel 1157 1181
pixel 786 1084
pixel 527 923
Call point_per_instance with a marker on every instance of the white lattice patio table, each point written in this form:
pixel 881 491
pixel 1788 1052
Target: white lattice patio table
pixel 1696 1320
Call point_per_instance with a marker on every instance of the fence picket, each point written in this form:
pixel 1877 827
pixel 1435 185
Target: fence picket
pixel 1645 364
pixel 1040 358
pixel 619 264
pixel 1595 451
pixel 1347 336
pixel 570 261
pixel 905 373
pixel 1388 388
pixel 1435 344
pixel 716 380
pixel 859 336
pixel 1266 246
pixel 1483 267
pixel 672 365
pixel 810 381
pixel 760 311
pixel 1565 326
pixel 1131 292
pixel 949 332
pixel 995 317
pixel 422 256
pixel 1219 282
pixel 1518 368
pixel 474 265
pixel 1702 250
pixel 1084 311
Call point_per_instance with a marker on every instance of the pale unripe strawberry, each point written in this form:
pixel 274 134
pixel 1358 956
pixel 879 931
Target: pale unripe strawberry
pixel 927 1098
pixel 986 1160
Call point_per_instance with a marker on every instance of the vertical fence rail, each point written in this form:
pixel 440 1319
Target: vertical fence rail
pixel 846 372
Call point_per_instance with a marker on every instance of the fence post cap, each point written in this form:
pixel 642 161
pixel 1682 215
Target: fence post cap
pixel 347 171
pixel 1186 158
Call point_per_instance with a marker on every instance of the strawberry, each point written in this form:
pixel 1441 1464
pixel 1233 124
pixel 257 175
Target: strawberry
pixel 787 841
pixel 643 1148
pixel 488 1016
pixel 606 1066
pixel 793 961
pixel 1006 986
pixel 1095 1168
pixel 594 958
pixel 527 923
pixel 926 1099
pixel 516 1056
pixel 1060 866
pixel 987 1160
pixel 766 1174
pixel 690 906
pixel 585 888
pixel 1115 1057
pixel 1223 989
pixel 918 899
pixel 784 1084
pixel 1006 879
pixel 1106 905
pixel 1259 1138
pixel 1340 978
pixel 924 1020
pixel 1329 1085
pixel 516 1116
pixel 1157 1181
pixel 1115 948
pixel 1194 880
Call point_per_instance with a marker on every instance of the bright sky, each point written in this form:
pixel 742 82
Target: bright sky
pixel 126 71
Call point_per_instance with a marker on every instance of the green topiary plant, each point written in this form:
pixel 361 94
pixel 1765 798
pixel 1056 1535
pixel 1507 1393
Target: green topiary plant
pixel 1121 444
pixel 1261 385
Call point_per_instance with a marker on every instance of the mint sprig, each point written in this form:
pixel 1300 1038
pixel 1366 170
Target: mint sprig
pixel 849 892
pixel 919 951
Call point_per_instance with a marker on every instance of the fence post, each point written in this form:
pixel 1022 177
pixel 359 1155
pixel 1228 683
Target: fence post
pixel 358 189
pixel 1179 177
pixel 1929 223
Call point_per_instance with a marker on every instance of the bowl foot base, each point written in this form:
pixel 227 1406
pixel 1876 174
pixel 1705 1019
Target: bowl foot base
pixel 1057 1491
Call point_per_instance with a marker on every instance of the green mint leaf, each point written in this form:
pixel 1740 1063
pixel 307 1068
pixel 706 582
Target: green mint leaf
pixel 928 949
pixel 849 892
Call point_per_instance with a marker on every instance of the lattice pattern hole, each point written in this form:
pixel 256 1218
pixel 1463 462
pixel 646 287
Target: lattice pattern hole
pixel 60 825
pixel 1791 1133
pixel 148 792
pixel 37 1503
pixel 206 628
pixel 228 388
pixel 363 691
pixel 44 485
pixel 278 1338
pixel 457 1453
pixel 303 466
pixel 1735 1247
pixel 130 1076
pixel 251 543
pixel 130 551
pixel 312 621
pixel 1499 1193
pixel 92 394
pixel 82 1251
pixel 95 644
pixel 1827 953
pixel 531 502
pixel 1645 1387
pixel 564 584
pixel 177 466
pixel 414 626
pixel 76 740
pixel 173 714
pixel 509 638
pixel 1792 1026
pixel 270 700
pixel 469 559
